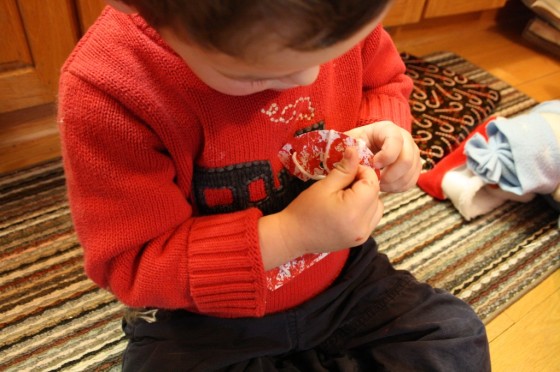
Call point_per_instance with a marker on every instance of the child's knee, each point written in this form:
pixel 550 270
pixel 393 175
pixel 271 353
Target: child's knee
pixel 458 316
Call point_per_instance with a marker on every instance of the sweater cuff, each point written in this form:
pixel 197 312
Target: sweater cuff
pixel 227 276
pixel 383 107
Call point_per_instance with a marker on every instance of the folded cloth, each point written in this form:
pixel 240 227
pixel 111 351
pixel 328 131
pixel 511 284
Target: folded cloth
pixel 522 154
pixel 472 197
pixel 546 9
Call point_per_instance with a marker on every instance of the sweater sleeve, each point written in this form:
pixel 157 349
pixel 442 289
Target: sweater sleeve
pixel 386 88
pixel 135 223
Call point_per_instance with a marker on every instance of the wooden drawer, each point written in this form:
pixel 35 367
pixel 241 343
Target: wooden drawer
pixel 404 11
pixel 438 8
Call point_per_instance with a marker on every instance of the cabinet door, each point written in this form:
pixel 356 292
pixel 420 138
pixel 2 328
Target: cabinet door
pixel 37 36
pixel 89 10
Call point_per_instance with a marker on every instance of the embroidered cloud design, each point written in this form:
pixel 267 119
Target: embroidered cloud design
pixel 301 109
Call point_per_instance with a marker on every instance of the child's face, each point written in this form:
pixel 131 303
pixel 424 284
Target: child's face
pixel 274 68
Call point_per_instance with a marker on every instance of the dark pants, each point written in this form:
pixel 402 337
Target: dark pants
pixel 372 318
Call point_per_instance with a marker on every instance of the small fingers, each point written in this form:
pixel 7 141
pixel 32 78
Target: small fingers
pixel 389 152
pixel 390 141
pixel 344 172
pixel 401 176
pixel 367 175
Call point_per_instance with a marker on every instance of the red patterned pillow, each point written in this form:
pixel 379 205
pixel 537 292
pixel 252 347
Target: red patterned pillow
pixel 446 108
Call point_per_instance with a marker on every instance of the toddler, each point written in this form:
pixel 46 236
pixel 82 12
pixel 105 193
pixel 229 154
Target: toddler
pixel 172 114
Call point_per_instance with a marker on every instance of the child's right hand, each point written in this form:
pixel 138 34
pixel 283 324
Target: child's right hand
pixel 337 212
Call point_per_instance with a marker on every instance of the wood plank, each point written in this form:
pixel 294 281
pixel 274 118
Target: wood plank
pixel 32 152
pixel 523 306
pixel 22 88
pixel 523 63
pixel 531 344
pixel 442 34
pixel 542 89
pixel 28 136
pixel 534 298
pixel 498 325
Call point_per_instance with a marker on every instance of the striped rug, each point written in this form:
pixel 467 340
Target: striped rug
pixel 52 318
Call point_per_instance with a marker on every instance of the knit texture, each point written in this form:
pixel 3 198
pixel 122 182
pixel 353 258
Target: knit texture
pixel 167 178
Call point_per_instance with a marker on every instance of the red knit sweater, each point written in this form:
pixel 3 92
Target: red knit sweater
pixel 167 178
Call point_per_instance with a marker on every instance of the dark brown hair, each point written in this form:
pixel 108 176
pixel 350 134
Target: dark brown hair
pixel 229 26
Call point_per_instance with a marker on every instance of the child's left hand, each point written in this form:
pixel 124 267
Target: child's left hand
pixel 396 154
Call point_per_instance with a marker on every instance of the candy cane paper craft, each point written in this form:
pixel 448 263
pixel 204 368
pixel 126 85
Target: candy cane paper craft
pixel 314 154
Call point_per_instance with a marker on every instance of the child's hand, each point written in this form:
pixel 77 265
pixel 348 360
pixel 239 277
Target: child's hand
pixel 337 212
pixel 395 152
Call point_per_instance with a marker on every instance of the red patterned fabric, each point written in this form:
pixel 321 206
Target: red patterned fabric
pixel 431 182
pixel 446 108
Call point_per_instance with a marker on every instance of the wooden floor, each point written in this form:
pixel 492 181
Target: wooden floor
pixel 526 337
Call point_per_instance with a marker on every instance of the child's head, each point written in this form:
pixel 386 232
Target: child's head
pixel 252 42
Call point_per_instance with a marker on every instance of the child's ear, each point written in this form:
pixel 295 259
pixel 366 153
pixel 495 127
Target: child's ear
pixel 120 6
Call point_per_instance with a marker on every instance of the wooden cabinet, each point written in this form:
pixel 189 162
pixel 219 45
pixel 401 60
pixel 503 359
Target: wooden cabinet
pixel 35 41
pixel 36 38
pixel 404 11
pixel 411 11
pixel 440 8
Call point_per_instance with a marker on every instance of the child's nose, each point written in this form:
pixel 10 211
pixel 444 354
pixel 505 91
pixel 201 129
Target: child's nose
pixel 304 77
